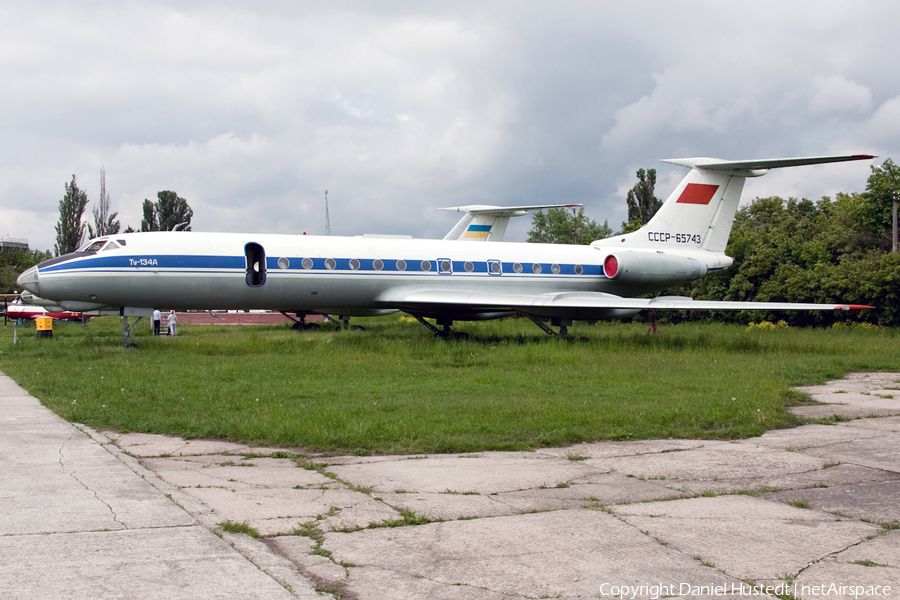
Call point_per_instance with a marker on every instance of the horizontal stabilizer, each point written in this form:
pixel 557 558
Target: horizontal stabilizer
pixel 503 210
pixel 714 164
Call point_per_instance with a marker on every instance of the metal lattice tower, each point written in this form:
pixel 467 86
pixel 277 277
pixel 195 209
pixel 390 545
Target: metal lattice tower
pixel 327 221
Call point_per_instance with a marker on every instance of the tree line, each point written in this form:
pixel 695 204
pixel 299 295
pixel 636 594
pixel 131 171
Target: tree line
pixel 834 250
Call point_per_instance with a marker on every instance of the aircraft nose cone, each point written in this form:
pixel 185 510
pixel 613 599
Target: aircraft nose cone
pixel 30 280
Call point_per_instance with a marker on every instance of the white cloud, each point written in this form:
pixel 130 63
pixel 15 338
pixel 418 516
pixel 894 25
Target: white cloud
pixel 835 93
pixel 884 126
pixel 252 110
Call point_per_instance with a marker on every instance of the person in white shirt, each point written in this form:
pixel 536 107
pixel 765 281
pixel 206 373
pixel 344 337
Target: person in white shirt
pixel 172 321
pixel 157 318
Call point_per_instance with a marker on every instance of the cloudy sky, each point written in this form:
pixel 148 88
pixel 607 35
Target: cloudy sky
pixel 251 110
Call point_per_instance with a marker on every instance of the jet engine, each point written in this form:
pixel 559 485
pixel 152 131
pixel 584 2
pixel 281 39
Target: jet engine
pixel 652 268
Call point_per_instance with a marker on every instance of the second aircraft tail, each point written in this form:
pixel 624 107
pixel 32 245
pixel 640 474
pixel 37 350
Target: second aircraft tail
pixel 700 212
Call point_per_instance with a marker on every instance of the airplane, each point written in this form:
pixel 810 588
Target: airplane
pixel 445 280
pixel 20 309
pixel 488 223
pixel 480 223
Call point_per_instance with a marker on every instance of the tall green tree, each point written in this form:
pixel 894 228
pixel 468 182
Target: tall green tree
pixel 642 203
pixel 561 226
pixel 70 229
pixel 168 212
pixel 104 223
pixel 877 208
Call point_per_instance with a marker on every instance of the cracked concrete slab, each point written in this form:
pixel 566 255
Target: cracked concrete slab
pixel 715 461
pixel 485 526
pixel 623 448
pixel 274 512
pixel 747 538
pixel 876 453
pixel 479 473
pixel 372 583
pixel 147 445
pixel 226 471
pixel 76 521
pixel 858 395
pixel 811 436
pixel 874 562
pixel 572 553
pixel 882 424
pixel 176 562
pixel 872 501
pixel 82 486
pixel 828 476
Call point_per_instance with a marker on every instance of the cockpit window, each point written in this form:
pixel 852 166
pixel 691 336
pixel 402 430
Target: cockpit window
pixel 111 246
pixel 122 243
pixel 94 246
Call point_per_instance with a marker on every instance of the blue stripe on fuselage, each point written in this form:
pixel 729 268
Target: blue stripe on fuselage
pixel 194 263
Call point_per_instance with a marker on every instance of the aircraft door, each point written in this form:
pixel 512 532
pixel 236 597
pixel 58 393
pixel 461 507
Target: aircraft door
pixel 256 264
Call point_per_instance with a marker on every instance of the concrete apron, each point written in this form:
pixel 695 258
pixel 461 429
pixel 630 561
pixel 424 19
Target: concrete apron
pixel 86 514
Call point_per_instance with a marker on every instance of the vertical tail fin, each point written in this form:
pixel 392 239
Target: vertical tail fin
pixel 700 212
pixel 488 223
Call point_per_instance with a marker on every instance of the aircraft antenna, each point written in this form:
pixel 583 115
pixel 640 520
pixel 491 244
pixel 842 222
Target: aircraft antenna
pixel 327 221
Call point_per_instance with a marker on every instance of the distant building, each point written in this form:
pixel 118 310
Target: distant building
pixel 10 243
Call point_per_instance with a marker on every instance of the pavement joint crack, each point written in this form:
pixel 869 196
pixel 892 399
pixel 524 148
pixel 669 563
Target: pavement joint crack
pixel 73 475
pixel 830 554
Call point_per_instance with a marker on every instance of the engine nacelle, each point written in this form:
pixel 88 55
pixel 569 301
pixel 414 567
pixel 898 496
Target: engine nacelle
pixel 81 306
pixel 652 268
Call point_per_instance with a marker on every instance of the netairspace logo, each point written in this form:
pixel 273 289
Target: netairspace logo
pixel 656 591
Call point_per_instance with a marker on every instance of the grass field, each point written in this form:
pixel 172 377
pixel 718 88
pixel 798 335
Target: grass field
pixel 395 388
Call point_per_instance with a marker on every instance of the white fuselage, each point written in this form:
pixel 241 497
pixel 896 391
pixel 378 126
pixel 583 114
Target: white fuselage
pixel 342 275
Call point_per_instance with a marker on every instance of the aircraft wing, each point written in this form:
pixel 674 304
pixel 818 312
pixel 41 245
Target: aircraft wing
pixel 579 304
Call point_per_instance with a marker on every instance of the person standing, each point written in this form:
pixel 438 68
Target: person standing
pixel 157 318
pixel 172 322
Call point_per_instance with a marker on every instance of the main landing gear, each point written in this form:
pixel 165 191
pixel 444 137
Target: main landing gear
pixel 342 322
pixel 127 339
pixel 445 333
pixel 301 324
pixel 563 325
